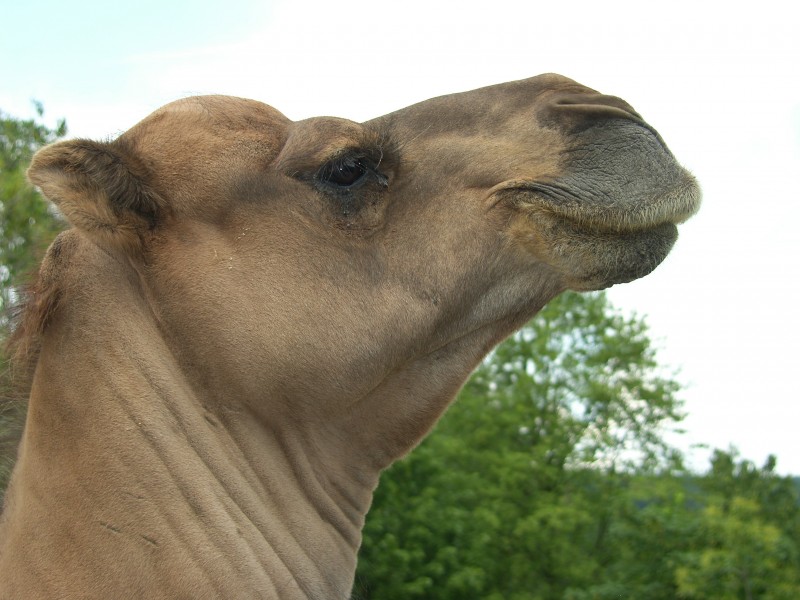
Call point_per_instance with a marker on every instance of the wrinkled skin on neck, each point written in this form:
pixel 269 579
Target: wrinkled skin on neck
pixel 251 318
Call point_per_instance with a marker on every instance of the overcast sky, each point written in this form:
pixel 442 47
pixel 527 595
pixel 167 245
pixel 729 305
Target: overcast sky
pixel 720 81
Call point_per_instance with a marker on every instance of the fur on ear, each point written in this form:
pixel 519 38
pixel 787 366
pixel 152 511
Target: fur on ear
pixel 100 188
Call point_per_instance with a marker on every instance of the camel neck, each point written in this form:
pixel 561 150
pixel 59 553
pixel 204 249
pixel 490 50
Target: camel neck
pixel 122 457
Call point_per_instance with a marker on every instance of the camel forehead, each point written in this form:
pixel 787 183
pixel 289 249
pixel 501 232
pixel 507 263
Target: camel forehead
pixel 191 147
pixel 199 124
pixel 222 110
pixel 227 133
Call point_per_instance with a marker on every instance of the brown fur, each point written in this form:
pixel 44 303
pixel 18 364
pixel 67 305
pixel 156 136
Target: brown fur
pixel 40 301
pixel 229 346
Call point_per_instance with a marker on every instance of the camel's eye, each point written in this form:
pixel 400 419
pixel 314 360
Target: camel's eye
pixel 344 172
pixel 348 172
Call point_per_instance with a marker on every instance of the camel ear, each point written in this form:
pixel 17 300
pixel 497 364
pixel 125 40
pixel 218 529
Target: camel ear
pixel 100 188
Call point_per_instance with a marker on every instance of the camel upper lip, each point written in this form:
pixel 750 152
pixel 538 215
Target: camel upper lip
pixel 669 206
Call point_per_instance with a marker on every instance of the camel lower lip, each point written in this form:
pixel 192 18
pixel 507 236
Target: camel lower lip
pixel 593 257
pixel 609 258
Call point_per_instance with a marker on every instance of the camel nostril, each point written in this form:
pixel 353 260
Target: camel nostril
pixel 578 111
pixel 599 104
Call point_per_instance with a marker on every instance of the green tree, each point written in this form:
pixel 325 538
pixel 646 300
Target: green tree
pixel 27 225
pixel 747 535
pixel 654 523
pixel 514 495
pixel 27 221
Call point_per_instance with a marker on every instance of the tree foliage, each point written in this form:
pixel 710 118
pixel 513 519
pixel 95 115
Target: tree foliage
pixel 748 535
pixel 27 225
pixel 27 221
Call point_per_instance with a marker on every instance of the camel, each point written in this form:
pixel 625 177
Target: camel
pixel 250 318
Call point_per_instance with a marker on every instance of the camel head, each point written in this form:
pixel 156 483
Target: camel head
pixel 331 284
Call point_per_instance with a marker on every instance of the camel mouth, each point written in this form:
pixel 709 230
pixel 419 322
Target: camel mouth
pixel 611 215
pixel 617 176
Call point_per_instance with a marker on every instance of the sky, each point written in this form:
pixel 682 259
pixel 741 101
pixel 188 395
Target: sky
pixel 719 80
